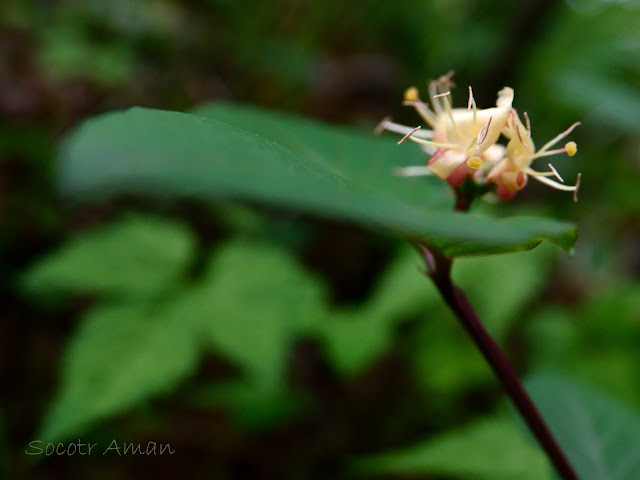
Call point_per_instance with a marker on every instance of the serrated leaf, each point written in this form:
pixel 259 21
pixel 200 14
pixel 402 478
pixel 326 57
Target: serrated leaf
pixel 135 256
pixel 254 300
pixel 491 449
pixel 322 170
pixel 599 435
pixel 120 356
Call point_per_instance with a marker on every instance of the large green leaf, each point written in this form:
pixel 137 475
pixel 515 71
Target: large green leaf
pixel 135 256
pixel 120 356
pixel 599 435
pixel 491 449
pixel 309 167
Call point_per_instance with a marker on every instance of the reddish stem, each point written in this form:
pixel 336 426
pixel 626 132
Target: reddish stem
pixel 439 270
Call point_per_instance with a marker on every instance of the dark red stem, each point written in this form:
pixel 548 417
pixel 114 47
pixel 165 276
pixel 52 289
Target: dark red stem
pixel 439 270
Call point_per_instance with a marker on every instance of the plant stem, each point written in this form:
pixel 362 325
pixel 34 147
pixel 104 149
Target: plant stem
pixel 439 269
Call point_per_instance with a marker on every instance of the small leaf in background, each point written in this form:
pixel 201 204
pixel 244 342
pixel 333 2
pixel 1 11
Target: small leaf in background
pixel 598 342
pixel 318 169
pixel 403 289
pixel 499 287
pixel 252 303
pixel 69 53
pixel 357 336
pixel 252 408
pixel 353 341
pixel 599 435
pixel 490 449
pixel 136 256
pixel 619 103
pixel 120 356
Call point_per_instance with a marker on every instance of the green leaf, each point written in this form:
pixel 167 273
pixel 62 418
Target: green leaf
pixel 491 449
pixel 597 350
pixel 253 301
pixel 120 356
pixel 353 340
pixel 498 287
pixel 252 408
pixel 136 256
pixel 599 435
pixel 620 103
pixel 315 168
pixel 356 337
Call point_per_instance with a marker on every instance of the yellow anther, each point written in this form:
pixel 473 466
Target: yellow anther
pixel 474 162
pixel 411 94
pixel 571 148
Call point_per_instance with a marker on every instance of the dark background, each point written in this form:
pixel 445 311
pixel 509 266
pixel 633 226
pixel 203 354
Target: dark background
pixel 344 63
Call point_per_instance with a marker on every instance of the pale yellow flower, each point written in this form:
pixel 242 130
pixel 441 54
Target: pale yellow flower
pixel 511 173
pixel 463 142
pixel 460 141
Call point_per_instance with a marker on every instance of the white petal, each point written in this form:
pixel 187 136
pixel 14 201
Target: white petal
pixel 445 163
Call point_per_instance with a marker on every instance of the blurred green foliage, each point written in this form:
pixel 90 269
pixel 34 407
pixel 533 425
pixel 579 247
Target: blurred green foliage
pixel 505 454
pixel 264 343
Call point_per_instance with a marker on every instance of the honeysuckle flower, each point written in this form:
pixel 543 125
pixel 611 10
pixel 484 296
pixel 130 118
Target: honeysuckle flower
pixel 460 141
pixel 510 174
pixel 463 142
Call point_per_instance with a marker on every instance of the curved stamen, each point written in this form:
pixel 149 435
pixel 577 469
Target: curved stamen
pixel 528 124
pixel 555 140
pixel 472 103
pixel 552 173
pixel 484 131
pixel 535 173
pixel 408 135
pixel 387 124
pixel 548 153
pixel 423 110
pixel 447 107
pixel 555 172
pixel 519 136
pixel 438 145
pixel 558 186
pixel 434 90
pixel 382 126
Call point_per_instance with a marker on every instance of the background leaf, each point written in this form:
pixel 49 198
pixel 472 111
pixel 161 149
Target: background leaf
pixel 252 408
pixel 121 356
pixel 595 349
pixel 133 257
pixel 252 303
pixel 491 449
pixel 599 435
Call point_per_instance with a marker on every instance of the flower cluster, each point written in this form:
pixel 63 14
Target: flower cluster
pixel 462 142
